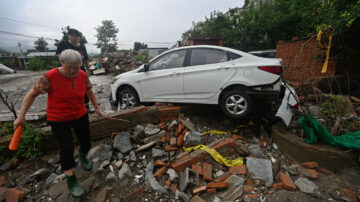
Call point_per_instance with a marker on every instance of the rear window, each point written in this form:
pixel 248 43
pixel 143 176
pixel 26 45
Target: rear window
pixel 233 56
pixel 207 56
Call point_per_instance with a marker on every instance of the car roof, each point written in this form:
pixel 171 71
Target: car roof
pixel 205 46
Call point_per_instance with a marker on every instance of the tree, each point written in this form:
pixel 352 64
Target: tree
pixel 65 37
pixel 106 36
pixel 41 45
pixel 139 45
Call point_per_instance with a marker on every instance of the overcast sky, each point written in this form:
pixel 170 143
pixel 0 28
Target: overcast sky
pixel 138 20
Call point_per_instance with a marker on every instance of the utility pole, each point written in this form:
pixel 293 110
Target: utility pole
pixel 21 55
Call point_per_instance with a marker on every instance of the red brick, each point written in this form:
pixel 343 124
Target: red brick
pixel 197 169
pixel 324 171
pixel 238 137
pixel 173 141
pixel 160 104
pixel 287 181
pixel 212 191
pixel 217 184
pixel 238 170
pixel 207 171
pixel 350 195
pixel 160 163
pixel 249 181
pixel 309 173
pixel 163 139
pixel 311 164
pixel 186 161
pixel 167 148
pixel 199 189
pixel 277 186
pixel 179 140
pixel 180 126
pixel 14 195
pixel 248 188
pixel 173 187
pixel 159 172
pixel 168 182
pixel 135 195
pixel 197 199
pixel 228 142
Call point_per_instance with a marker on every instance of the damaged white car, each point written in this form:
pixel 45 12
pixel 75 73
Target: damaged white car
pixel 217 75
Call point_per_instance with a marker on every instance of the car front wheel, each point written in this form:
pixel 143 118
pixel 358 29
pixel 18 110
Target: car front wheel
pixel 128 98
pixel 236 103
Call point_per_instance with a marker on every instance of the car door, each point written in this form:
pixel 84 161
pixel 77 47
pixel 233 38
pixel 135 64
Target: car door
pixel 164 80
pixel 209 69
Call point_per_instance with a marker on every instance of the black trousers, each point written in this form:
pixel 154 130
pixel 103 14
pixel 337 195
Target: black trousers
pixel 63 134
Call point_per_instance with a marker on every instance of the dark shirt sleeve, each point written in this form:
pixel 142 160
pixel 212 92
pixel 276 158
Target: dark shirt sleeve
pixel 60 48
pixel 86 57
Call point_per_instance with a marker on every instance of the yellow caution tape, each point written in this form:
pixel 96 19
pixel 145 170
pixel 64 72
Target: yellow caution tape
pixel 251 123
pixel 218 157
pixel 218 132
pixel 322 43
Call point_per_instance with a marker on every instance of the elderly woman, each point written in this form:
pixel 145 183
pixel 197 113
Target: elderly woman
pixel 66 87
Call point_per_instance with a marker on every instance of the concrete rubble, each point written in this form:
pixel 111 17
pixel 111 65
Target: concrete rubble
pixel 148 163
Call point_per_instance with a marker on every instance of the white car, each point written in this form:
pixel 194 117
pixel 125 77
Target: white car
pixel 202 75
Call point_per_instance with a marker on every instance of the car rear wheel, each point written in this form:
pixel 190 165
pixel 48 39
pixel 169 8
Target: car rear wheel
pixel 128 98
pixel 236 103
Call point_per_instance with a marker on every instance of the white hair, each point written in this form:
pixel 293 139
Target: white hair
pixel 70 56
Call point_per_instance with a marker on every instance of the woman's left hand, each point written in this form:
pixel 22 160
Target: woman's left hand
pixel 99 113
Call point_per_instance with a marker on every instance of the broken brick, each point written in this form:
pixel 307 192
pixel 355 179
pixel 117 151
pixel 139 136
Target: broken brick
pixel 186 161
pixel 168 182
pixel 324 171
pixel 309 173
pixel 287 181
pixel 173 187
pixel 14 195
pixel 197 169
pixel 207 171
pixel 348 194
pixel 249 181
pixel 198 199
pixel 238 170
pixel 173 141
pixel 135 195
pixel 248 188
pixel 159 172
pixel 199 189
pixel 277 186
pixel 251 196
pixel 163 139
pixel 311 164
pixel 179 140
pixel 159 163
pixel 217 184
pixel 168 113
pixel 179 128
pixel 167 148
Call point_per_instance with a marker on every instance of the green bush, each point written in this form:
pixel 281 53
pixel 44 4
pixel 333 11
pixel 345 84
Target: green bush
pixel 31 143
pixel 336 105
pixel 142 58
pixel 36 64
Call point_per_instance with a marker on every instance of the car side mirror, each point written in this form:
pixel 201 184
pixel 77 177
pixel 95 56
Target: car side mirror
pixel 146 67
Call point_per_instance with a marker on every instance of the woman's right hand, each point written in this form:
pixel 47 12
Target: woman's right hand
pixel 19 121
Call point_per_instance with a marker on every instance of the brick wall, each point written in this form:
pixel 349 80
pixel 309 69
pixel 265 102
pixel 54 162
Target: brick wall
pixel 308 64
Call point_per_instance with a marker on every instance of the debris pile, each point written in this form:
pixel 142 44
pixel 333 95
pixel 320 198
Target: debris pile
pixel 174 159
pixel 120 62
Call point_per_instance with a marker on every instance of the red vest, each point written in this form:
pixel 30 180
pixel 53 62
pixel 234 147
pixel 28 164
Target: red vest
pixel 65 96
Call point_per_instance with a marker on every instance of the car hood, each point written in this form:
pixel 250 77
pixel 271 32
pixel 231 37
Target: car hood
pixel 129 72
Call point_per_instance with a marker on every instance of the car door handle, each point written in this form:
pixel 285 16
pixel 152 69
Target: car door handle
pixel 223 68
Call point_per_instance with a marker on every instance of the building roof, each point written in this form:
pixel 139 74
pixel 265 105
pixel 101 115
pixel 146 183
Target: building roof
pixel 41 54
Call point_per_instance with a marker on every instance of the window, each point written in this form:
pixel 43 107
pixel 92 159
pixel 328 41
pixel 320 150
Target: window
pixel 205 56
pixel 233 56
pixel 168 61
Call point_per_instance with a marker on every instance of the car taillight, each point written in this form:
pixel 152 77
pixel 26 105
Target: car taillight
pixel 272 69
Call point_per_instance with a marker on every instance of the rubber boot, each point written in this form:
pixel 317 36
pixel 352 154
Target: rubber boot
pixel 86 164
pixel 73 186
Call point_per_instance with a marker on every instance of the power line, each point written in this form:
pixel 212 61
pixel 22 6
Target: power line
pixel 28 23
